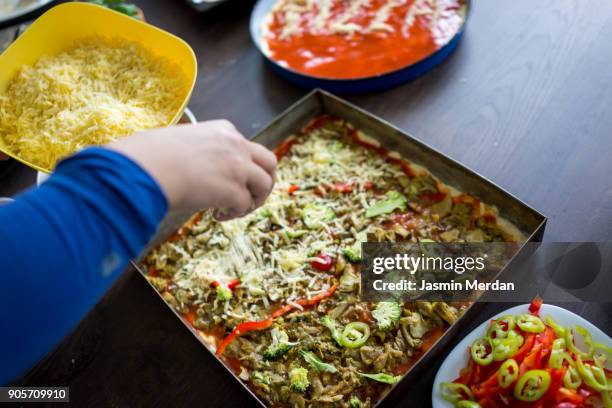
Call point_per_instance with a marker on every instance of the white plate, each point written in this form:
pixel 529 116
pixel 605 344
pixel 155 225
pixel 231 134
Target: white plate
pixel 459 357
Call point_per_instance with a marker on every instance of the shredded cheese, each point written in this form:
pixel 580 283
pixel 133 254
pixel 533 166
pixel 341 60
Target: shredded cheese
pixel 97 91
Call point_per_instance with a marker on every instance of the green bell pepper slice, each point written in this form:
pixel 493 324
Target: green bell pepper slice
pixel 500 327
pixel 467 404
pixel 455 392
pixel 481 351
pixel 571 378
pixel 530 323
pixel 508 373
pixel 506 348
pixel 557 328
pixel 532 385
pixel 588 342
pixel 355 335
pixel 593 376
pixel 559 354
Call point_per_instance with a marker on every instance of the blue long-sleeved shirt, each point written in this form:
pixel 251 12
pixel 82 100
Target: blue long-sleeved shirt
pixel 63 245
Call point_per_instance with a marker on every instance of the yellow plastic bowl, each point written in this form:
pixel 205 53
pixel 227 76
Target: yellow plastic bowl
pixel 57 29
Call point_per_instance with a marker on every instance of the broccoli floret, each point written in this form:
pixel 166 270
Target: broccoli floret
pixel 262 378
pixel 331 325
pixel 280 345
pixel 223 293
pixel 394 201
pixel 298 376
pixel 355 402
pixel 353 253
pixel 387 315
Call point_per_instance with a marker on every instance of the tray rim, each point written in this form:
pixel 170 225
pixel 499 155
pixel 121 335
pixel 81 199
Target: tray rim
pixel 470 313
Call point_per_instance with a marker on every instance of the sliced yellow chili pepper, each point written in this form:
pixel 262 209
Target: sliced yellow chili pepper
pixel 569 342
pixel 532 385
pixel 500 327
pixel 455 392
pixel 593 376
pixel 467 404
pixel 481 352
pixel 571 378
pixel 530 323
pixel 355 335
pixel 508 373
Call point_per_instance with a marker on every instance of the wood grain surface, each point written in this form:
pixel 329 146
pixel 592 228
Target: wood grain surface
pixel 526 101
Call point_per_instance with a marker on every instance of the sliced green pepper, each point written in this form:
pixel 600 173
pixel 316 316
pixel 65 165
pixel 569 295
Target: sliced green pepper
pixel 355 335
pixel 530 323
pixel 588 342
pixel 500 327
pixel 571 378
pixel 558 354
pixel 508 373
pixel 481 352
pixel 467 404
pixel 506 348
pixel 532 385
pixel 593 376
pixel 455 392
pixel 557 328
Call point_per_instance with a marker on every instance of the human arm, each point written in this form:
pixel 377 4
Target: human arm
pixel 65 243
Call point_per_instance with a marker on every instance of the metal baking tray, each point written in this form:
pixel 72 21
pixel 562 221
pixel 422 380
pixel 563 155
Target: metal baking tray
pixel 318 102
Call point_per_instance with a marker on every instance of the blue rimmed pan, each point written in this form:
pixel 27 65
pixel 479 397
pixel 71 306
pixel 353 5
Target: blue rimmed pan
pixel 351 86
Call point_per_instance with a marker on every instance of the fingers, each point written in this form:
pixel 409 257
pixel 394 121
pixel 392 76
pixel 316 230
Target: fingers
pixel 259 184
pixel 239 202
pixel 263 157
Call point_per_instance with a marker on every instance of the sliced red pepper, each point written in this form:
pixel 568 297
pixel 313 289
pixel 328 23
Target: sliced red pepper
pixel 324 263
pixel 525 348
pixel 534 307
pixel 231 284
pixel 284 147
pixel 247 327
pixel 242 328
pixel 292 189
pixel 343 187
pixel 368 185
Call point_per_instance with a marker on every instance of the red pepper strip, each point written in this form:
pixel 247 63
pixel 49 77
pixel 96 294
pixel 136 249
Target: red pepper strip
pixel 466 374
pixel 535 305
pixel 292 189
pixel 488 388
pixel 231 285
pixel 556 382
pixel 525 348
pixel 368 185
pixel 343 187
pixel 247 327
pixel 243 328
pixel 532 360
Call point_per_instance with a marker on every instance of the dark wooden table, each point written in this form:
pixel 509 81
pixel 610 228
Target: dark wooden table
pixel 526 101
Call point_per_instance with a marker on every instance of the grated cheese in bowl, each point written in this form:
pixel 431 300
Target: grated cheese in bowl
pixel 97 91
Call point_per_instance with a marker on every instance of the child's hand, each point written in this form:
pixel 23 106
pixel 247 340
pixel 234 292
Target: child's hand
pixel 208 165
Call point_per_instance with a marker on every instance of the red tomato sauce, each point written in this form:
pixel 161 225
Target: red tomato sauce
pixel 413 30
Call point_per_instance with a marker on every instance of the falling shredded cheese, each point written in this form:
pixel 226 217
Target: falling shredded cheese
pixel 97 91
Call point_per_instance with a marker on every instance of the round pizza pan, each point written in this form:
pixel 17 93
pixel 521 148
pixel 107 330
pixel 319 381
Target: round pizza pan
pixel 351 86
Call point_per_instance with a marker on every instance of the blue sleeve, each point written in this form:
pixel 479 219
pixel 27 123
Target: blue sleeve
pixel 64 244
